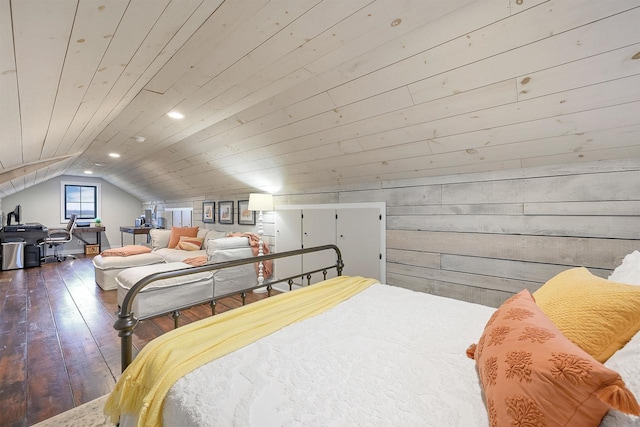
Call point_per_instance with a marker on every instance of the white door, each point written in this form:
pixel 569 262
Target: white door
pixel 318 228
pixel 187 215
pixel 176 218
pixel 288 238
pixel 181 217
pixel 358 237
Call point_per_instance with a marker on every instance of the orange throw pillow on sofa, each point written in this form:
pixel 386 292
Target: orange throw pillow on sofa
pixel 177 232
pixel 533 375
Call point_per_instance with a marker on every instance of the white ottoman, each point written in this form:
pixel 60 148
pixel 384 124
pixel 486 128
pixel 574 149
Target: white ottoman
pixel 107 268
pixel 165 295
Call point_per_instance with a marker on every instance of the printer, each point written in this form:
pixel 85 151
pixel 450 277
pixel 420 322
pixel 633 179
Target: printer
pixel 30 226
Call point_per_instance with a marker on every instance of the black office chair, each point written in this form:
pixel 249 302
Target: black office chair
pixel 56 237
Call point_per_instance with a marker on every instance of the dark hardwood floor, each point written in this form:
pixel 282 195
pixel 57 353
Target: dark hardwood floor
pixel 58 348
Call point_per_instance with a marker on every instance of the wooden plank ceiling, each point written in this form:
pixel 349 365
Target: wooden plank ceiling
pixel 293 95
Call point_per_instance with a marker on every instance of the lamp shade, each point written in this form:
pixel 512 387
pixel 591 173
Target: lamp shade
pixel 260 202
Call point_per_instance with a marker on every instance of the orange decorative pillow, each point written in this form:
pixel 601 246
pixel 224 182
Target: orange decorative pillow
pixel 596 314
pixel 177 232
pixel 190 243
pixel 533 375
pixel 126 251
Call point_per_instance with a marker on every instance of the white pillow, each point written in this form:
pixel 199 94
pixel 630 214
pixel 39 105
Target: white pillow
pixel 626 362
pixel 212 234
pixel 629 271
pixel 228 243
pixel 159 238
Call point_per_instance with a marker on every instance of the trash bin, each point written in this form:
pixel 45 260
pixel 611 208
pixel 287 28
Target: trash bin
pixel 12 255
pixel 32 256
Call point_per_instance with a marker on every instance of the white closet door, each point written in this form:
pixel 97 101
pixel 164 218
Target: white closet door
pixel 181 217
pixel 187 215
pixel 319 228
pixel 288 238
pixel 176 220
pixel 358 237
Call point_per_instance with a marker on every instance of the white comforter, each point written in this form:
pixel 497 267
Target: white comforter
pixel 387 356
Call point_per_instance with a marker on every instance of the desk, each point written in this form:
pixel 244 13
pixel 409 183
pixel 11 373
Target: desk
pixel 77 231
pixel 30 236
pixel 134 231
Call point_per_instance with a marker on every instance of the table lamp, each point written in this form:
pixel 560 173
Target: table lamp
pixel 260 202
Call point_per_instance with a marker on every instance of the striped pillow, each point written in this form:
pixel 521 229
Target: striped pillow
pixel 189 243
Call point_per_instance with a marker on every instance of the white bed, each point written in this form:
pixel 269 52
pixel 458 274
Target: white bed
pixel 390 356
pixel 359 350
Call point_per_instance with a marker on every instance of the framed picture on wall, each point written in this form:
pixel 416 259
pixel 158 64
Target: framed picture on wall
pixel 245 216
pixel 208 212
pixel 225 212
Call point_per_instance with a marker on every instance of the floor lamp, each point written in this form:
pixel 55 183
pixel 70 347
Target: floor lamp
pixel 260 202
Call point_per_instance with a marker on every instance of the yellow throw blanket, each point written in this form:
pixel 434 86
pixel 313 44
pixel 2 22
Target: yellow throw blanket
pixel 144 384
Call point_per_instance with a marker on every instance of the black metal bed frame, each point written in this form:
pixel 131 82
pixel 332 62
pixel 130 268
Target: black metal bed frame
pixel 127 322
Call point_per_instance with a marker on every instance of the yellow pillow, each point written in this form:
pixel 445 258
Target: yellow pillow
pixel 597 315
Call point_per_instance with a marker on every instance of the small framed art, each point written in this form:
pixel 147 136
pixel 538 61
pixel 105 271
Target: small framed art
pixel 245 216
pixel 208 212
pixel 225 212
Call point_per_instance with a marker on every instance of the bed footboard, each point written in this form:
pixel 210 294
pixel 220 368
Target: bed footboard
pixel 126 322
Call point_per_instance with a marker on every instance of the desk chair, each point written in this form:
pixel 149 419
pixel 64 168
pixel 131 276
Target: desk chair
pixel 56 237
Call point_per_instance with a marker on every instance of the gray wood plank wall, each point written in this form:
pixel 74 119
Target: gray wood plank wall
pixel 481 237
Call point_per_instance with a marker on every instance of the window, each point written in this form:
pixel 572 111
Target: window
pixel 80 199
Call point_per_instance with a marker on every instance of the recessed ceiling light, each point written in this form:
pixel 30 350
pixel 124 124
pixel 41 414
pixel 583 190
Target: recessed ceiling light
pixel 175 115
pixel 114 155
pixel 88 172
pixel 138 138
pixel 98 164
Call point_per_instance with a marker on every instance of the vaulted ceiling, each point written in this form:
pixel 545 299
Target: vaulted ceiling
pixel 293 95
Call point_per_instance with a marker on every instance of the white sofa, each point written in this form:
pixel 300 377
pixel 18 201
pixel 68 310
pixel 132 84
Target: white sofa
pixel 166 295
pixel 107 268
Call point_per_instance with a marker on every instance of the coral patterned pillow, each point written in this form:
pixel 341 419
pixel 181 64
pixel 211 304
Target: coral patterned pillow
pixel 532 375
pixel 177 232
pixel 189 243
